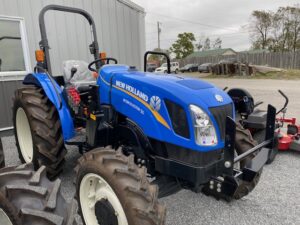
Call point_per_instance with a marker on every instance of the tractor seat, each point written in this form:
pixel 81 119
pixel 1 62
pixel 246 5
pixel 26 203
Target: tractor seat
pixel 76 73
pixel 256 120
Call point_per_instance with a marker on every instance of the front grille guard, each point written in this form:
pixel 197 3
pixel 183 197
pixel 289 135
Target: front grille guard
pixel 229 159
pixel 226 185
pixel 220 113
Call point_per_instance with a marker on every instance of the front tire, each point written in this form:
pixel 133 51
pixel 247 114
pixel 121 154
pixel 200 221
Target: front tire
pixel 38 130
pixel 8 214
pixel 109 182
pixel 244 142
pixel 29 198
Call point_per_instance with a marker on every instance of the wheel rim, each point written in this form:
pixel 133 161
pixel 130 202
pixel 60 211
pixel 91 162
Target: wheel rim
pixel 4 219
pixel 24 135
pixel 93 189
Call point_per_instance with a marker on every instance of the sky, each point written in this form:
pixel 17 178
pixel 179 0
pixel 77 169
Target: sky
pixel 227 19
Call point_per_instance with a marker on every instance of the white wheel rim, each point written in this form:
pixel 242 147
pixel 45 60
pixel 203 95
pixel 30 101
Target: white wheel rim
pixel 4 219
pixel 93 188
pixel 24 135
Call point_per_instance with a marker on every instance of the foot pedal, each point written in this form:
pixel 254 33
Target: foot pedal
pixel 78 139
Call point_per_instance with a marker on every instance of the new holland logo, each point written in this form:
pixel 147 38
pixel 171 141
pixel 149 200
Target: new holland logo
pixel 155 103
pixel 219 98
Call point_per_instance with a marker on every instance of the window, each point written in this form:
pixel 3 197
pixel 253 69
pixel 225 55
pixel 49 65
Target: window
pixel 14 54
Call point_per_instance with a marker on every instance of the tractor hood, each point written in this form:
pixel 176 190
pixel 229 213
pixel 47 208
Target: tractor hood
pixel 160 104
pixel 185 90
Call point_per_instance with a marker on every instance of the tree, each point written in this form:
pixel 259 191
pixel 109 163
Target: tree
pixel 206 44
pixel 277 31
pixel 183 46
pixel 260 27
pixel 199 46
pixel 294 14
pixel 200 43
pixel 280 31
pixel 159 58
pixel 218 43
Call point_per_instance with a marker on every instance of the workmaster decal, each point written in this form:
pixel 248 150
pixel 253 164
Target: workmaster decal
pixel 126 101
pixel 142 98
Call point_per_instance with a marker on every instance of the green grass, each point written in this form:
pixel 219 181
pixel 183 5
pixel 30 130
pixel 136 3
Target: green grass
pixel 282 75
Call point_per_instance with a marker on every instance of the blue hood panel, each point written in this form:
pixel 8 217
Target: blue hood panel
pixel 194 84
pixel 140 96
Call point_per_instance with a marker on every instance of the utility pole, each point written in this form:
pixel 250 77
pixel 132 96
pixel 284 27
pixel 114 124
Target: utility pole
pixel 158 34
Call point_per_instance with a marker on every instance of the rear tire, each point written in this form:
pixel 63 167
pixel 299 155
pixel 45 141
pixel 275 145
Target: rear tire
pixel 38 130
pixel 244 142
pixel 29 198
pixel 124 186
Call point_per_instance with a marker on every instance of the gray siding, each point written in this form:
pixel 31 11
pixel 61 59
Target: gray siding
pixel 120 28
pixel 7 89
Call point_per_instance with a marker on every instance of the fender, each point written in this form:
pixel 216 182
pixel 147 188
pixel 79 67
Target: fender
pixel 42 80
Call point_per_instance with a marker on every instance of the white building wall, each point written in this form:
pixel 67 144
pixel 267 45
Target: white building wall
pixel 120 27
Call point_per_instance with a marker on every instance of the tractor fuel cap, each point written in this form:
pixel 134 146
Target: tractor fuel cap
pixel 132 68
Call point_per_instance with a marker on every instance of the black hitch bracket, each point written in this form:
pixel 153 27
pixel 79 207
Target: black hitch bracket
pixel 225 186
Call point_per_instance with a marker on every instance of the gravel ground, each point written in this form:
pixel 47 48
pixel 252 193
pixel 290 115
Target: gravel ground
pixel 276 199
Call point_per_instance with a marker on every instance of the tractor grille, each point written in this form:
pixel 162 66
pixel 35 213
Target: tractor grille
pixel 178 118
pixel 220 114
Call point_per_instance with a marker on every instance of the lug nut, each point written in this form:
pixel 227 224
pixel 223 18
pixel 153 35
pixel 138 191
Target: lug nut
pixel 219 190
pixel 227 164
pixel 219 185
pixel 211 186
pixel 211 182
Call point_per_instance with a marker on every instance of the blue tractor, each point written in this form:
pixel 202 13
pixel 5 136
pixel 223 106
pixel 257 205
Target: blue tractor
pixel 137 131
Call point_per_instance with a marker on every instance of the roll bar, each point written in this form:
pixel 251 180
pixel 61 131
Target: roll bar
pixel 157 53
pixel 44 45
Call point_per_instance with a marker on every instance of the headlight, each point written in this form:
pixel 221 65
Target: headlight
pixel 204 130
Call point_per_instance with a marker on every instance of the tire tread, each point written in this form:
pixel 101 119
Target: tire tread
pixel 46 129
pixel 140 197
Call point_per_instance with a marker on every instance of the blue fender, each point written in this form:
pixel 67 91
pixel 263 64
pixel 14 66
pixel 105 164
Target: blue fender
pixel 42 80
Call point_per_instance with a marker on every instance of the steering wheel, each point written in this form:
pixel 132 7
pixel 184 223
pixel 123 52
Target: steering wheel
pixel 99 60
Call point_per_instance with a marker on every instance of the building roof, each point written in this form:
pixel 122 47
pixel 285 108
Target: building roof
pixel 132 5
pixel 255 51
pixel 213 52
